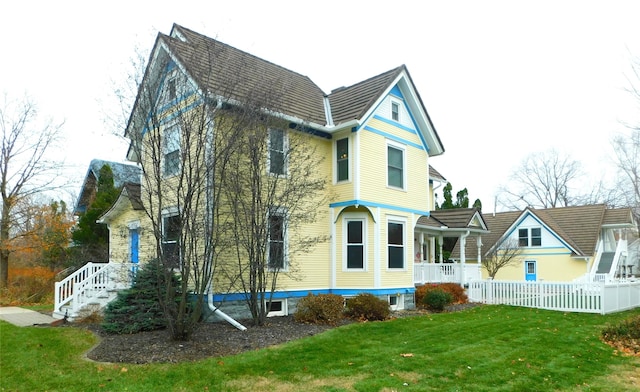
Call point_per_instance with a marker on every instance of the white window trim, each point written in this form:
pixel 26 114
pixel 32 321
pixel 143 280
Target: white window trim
pixel 529 237
pixel 393 102
pixel 165 150
pixel 285 146
pixel 283 312
pixel 168 213
pixel 405 245
pixel 399 304
pixel 283 212
pixel 403 148
pixel 171 76
pixel 335 161
pixel 348 217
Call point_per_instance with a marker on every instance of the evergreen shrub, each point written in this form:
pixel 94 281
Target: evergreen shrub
pixel 138 308
pixel 437 300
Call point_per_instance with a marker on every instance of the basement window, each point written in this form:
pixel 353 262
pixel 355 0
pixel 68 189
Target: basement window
pixel 277 308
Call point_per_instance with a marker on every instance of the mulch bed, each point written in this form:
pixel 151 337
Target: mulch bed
pixel 208 340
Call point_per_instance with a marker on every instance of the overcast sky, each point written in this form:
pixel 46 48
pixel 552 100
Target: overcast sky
pixel 500 79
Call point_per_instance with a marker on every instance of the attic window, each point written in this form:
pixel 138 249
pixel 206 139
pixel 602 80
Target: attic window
pixel 530 237
pixel 395 111
pixel 171 88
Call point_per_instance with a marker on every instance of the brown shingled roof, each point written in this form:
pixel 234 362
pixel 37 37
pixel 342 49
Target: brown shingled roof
pixel 434 174
pixel 578 226
pixel 457 218
pixel 234 74
pixel 350 103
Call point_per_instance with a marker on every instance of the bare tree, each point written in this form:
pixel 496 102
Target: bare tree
pixel 544 180
pixel 627 152
pixel 274 187
pixel 507 253
pixel 25 169
pixel 178 161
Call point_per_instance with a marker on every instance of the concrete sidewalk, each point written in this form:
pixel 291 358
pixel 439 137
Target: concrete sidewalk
pixel 24 317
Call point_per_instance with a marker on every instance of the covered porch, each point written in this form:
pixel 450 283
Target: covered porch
pixel 434 237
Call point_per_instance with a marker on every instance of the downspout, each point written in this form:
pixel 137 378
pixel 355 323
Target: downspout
pixel 220 313
pixel 209 217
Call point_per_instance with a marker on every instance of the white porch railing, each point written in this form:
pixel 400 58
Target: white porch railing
pixel 446 273
pixel 587 297
pixel 90 283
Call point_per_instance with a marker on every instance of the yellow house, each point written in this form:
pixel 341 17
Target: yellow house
pixel 579 243
pixel 375 140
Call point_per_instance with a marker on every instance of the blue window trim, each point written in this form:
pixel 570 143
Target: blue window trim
pixel 366 203
pixel 393 137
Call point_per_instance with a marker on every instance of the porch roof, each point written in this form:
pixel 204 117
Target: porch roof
pixel 453 221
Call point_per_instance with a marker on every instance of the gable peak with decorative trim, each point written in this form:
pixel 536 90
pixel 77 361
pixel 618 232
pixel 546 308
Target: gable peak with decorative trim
pixel 209 64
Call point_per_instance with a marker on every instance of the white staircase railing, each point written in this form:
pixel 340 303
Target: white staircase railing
pixel 91 282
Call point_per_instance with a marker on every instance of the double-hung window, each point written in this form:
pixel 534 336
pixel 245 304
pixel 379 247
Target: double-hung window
pixel 395 243
pixel 395 111
pixel 395 166
pixel 342 160
pixel 530 237
pixel 355 230
pixel 171 147
pixel 277 239
pixel 171 240
pixel 277 151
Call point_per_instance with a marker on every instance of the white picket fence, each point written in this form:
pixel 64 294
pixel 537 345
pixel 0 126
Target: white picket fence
pixel 591 297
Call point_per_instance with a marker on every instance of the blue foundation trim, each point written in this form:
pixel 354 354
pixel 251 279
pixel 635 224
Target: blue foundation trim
pixel 304 293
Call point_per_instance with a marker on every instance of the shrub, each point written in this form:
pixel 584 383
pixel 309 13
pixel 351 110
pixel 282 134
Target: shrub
pixel 28 286
pixel 320 309
pixel 629 328
pixel 368 307
pixel 138 308
pixel 457 292
pixel 436 300
pixel 625 335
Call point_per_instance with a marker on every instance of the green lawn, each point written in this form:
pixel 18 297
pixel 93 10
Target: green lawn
pixel 487 348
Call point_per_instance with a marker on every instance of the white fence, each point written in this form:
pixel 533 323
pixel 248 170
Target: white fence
pixel 592 297
pixel 446 273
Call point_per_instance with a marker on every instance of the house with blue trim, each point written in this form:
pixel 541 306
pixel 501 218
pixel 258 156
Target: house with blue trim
pixel 587 243
pixel 375 138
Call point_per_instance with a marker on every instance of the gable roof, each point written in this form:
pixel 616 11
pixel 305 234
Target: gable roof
pixel 353 102
pixel 235 74
pixel 129 196
pixel 435 175
pixel 224 72
pixel 454 220
pixel 577 226
pixel 122 173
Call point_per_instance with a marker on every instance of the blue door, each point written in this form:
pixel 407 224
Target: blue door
pixel 530 270
pixel 134 242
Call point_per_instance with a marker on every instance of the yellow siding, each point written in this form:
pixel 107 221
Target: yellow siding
pixel 551 267
pixel 119 237
pixel 373 174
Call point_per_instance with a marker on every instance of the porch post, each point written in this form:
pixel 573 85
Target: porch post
pixel 432 249
pixel 479 243
pixel 463 262
pixel 440 240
